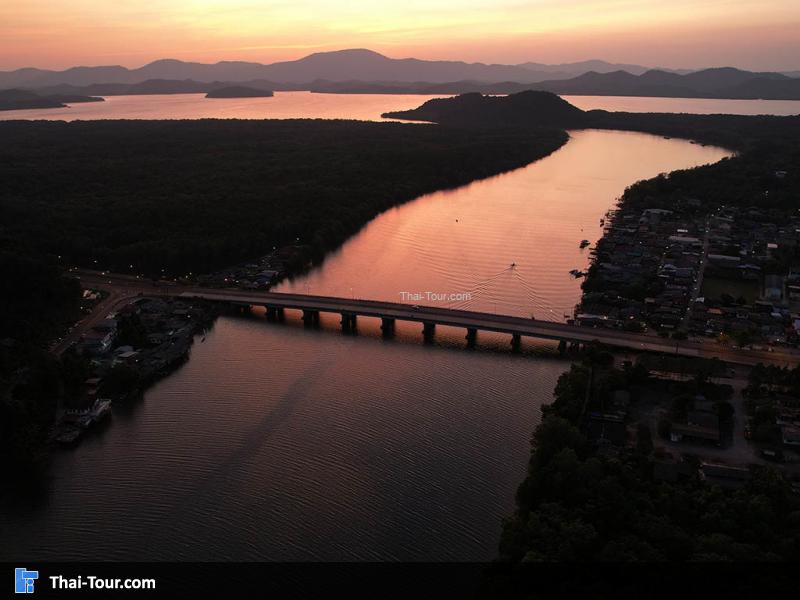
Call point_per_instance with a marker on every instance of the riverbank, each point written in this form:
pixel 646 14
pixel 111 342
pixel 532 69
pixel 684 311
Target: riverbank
pixel 603 486
pixel 710 252
pixel 126 353
pixel 266 417
pixel 216 193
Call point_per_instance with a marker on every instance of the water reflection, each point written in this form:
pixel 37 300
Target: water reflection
pixel 276 442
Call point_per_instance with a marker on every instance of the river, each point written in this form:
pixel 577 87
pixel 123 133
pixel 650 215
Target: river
pixel 367 107
pixel 279 443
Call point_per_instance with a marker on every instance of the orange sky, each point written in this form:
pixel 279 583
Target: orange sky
pixel 763 34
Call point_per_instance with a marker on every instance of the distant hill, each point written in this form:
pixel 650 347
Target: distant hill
pixel 152 86
pixel 569 70
pixel 531 108
pixel 417 87
pixel 708 83
pixel 537 110
pixel 23 99
pixel 341 65
pixel 239 91
pixel 365 71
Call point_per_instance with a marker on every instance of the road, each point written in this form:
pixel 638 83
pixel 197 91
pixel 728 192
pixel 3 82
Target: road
pixel 120 289
pixel 123 288
pixel 698 284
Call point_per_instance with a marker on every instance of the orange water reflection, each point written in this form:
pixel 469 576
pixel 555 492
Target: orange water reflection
pixel 283 105
pixel 464 241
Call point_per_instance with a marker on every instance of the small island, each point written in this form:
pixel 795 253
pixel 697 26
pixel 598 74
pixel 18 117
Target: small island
pixel 21 99
pixel 239 91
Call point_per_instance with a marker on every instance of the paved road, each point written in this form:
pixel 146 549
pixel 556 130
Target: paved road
pixel 121 290
pixel 698 285
pixel 124 287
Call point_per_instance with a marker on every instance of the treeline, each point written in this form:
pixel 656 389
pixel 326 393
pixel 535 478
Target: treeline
pixel 173 197
pixel 531 109
pixel 37 301
pixel 577 504
pixel 747 179
pixel 738 132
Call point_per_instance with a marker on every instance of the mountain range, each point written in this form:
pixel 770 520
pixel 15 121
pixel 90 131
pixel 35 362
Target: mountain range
pixel 724 82
pixel 364 71
pixel 341 65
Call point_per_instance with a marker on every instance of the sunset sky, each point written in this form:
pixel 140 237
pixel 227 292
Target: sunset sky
pixel 753 34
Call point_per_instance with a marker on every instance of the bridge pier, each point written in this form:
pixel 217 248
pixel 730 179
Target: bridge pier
pixel 348 322
pixel 242 309
pixel 562 347
pixel 387 326
pixel 275 313
pixel 472 336
pixel 516 342
pixel 310 317
pixel 428 329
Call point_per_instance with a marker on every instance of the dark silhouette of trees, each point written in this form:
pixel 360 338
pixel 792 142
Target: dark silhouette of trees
pixel 173 197
pixel 578 505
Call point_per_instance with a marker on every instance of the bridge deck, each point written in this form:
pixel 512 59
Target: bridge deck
pixel 126 286
pixel 454 318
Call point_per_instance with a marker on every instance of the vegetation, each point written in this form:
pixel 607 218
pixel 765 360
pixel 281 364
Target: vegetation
pixel 167 198
pixel 771 389
pixel 22 99
pixel 525 109
pixel 532 109
pixel 37 300
pixel 175 197
pixel 239 91
pixel 580 505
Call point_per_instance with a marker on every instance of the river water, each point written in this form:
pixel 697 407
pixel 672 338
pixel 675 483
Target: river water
pixel 275 442
pixel 367 107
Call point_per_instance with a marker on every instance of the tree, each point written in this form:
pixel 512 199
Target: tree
pixel 644 439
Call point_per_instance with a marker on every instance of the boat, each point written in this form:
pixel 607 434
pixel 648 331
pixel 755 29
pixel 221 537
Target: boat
pixel 584 243
pixel 68 437
pixel 577 274
pixel 100 410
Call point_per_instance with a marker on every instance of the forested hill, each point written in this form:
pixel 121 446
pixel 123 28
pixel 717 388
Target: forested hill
pixel 193 196
pixel 473 110
pixel 544 109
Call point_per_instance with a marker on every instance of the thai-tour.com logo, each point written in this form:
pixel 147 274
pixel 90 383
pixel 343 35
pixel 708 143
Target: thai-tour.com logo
pixel 24 580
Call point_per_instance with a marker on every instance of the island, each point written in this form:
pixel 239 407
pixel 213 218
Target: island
pixel 239 91
pixel 23 99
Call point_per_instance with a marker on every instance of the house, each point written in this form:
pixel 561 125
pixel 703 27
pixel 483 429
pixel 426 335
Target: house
pixel 702 433
pixel 723 260
pixel 607 427
pixel 725 475
pixel 97 342
pixel 106 325
pixel 790 435
pixel 155 339
pixel 773 287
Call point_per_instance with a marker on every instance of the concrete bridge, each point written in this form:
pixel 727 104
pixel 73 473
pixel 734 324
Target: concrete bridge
pixel 472 322
pixel 124 288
